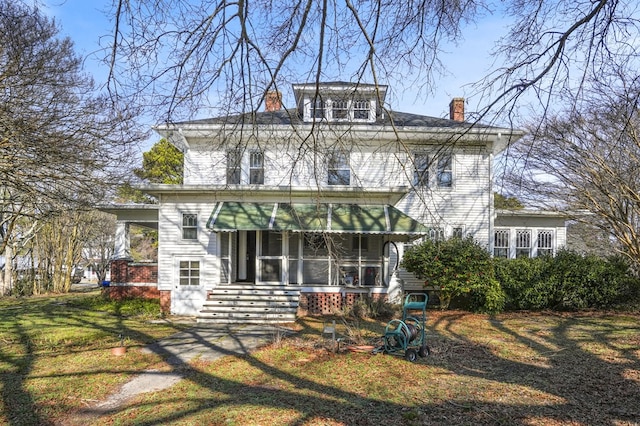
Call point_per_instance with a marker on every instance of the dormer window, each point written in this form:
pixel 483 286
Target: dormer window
pixel 340 109
pixel 361 109
pixel 340 102
pixel 317 108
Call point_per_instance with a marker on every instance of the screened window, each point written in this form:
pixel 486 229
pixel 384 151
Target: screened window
pixel 545 243
pixel 523 243
pixel 501 243
pixel 421 172
pixel 234 159
pixel 361 109
pixel 340 109
pixel 189 226
pixel 256 168
pixel 315 245
pixel 189 272
pixel 445 171
pixel 339 172
pixel 271 243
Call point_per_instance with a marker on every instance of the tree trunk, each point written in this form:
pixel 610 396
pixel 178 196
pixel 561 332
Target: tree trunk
pixel 8 271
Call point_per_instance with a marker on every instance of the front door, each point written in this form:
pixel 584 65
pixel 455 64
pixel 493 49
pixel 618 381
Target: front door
pixel 250 257
pixel 188 295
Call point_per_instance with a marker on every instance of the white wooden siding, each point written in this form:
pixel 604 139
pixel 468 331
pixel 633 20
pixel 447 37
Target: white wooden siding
pixel 171 242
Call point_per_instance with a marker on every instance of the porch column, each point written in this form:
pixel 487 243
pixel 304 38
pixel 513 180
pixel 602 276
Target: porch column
pixel 122 241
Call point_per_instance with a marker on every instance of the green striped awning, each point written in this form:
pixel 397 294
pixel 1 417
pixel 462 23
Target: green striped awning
pixel 229 216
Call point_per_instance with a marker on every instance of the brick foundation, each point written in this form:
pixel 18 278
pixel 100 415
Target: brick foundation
pixel 165 301
pixel 124 292
pixel 131 279
pixel 329 303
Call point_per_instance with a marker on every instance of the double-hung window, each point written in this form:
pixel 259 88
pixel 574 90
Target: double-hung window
pixel 501 243
pixel 523 243
pixel 436 170
pixel 339 171
pixel 234 161
pixel 189 226
pixel 256 167
pixel 421 169
pixel 545 243
pixel 444 172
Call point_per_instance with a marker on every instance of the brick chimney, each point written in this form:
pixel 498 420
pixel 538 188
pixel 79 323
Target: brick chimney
pixel 272 101
pixel 456 109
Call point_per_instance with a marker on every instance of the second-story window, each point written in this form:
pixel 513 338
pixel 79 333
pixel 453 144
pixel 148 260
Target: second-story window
pixel 421 169
pixel 189 226
pixel 234 161
pixel 256 168
pixel 445 171
pixel 339 172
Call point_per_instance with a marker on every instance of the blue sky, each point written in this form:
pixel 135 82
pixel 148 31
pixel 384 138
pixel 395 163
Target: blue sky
pixel 85 22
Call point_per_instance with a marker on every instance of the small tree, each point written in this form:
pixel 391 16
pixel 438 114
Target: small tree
pixel 458 267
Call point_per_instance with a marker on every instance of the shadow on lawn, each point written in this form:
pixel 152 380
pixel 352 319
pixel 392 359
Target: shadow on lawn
pixel 21 351
pixel 592 389
pixel 587 389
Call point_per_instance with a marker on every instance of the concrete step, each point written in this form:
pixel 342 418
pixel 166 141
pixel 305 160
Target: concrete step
pixel 242 303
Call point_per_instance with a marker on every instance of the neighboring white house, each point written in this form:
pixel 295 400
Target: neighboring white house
pixel 310 207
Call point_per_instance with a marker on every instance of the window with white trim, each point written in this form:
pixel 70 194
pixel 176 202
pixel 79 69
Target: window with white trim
pixel 436 234
pixel 340 109
pixel 421 169
pixel 444 173
pixel 545 243
pixel 361 109
pixel 338 169
pixel 501 243
pixel 523 243
pixel 256 168
pixel 317 108
pixel 189 226
pixel 189 271
pixel 457 232
pixel 234 161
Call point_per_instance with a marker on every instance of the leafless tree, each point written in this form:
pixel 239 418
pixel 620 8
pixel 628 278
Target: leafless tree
pixel 586 160
pixel 62 143
pixel 182 57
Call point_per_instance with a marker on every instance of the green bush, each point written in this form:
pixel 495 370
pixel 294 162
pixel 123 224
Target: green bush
pixel 460 268
pixel 568 281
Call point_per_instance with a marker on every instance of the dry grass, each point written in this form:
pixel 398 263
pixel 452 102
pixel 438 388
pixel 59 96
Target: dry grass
pixel 514 369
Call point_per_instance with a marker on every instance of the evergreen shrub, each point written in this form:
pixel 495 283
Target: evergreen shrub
pixel 459 268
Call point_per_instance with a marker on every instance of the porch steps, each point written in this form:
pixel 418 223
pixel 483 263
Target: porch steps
pixel 241 303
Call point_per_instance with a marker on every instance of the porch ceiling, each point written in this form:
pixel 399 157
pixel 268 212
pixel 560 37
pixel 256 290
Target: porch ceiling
pixel 322 217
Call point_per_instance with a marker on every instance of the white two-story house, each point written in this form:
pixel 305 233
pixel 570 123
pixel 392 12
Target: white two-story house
pixel 308 208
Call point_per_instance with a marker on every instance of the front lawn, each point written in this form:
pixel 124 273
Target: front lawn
pixel 520 369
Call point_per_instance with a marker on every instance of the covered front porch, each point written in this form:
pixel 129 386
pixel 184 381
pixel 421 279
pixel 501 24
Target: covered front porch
pixel 332 254
pixel 310 244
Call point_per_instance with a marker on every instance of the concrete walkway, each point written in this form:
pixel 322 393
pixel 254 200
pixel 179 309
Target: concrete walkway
pixel 205 342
